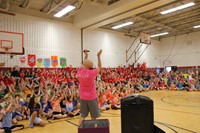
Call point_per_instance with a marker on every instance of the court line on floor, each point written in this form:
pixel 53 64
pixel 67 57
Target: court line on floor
pixel 119 116
pixel 154 121
pixel 177 111
pixel 71 123
pixel 176 127
pixel 68 121
pixel 189 99
pixel 162 99
pixel 110 113
pixel 166 124
pixel 53 122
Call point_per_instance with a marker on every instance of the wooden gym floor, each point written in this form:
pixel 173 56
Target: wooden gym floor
pixel 174 112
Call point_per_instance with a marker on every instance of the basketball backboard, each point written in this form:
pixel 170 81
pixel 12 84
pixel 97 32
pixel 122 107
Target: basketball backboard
pixel 11 42
pixel 145 38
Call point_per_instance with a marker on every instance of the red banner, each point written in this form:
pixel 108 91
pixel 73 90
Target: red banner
pixel 31 60
pixel 23 59
pixel 54 61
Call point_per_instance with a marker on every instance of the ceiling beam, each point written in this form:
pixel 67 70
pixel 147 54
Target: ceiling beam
pixel 48 5
pixel 56 6
pixel 187 21
pixel 8 13
pixel 180 33
pixel 170 19
pixel 172 16
pixel 53 4
pixel 154 23
pixel 82 5
pixel 101 14
pixel 32 12
pixel 130 13
pixel 169 25
pixel 157 8
pixel 178 18
pixel 26 4
pixel 187 26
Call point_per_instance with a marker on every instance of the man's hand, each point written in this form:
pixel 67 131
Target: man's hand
pixel 99 60
pixel 86 53
pixel 99 53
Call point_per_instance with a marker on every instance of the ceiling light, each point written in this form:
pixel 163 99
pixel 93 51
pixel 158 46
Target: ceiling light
pixel 64 11
pixel 197 26
pixel 122 25
pixel 160 34
pixel 178 8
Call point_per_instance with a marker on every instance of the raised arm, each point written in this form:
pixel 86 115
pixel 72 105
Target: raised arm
pixel 86 53
pixel 9 108
pixel 99 60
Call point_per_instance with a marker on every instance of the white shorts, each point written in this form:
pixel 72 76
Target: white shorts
pixel 37 120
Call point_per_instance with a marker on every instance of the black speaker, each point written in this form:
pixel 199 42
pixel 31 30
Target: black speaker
pixel 158 130
pixel 137 114
pixel 174 68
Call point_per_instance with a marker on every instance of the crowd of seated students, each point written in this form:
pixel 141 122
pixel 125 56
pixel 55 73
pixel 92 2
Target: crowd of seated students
pixel 36 93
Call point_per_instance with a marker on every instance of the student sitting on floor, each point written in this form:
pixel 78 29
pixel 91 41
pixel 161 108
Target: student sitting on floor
pixel 55 103
pixel 103 104
pixel 1 117
pixel 115 104
pixel 46 108
pixel 34 110
pixel 172 86
pixel 70 109
pixel 192 86
pixel 179 85
pixel 7 118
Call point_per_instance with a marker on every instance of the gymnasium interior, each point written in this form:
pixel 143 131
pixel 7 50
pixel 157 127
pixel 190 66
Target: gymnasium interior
pixel 150 48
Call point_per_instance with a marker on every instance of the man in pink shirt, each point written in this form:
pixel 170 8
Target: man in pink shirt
pixel 88 97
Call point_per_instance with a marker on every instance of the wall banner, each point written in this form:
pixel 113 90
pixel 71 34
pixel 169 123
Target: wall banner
pixel 39 62
pixel 63 62
pixel 54 61
pixel 31 60
pixel 47 62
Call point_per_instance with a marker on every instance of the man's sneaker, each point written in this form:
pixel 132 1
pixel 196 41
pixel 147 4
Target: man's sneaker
pixel 31 125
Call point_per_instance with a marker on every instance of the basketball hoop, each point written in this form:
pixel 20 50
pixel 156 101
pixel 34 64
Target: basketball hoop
pixel 145 38
pixel 6 49
pixel 2 64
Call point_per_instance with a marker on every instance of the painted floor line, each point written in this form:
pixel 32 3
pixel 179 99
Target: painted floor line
pixel 177 111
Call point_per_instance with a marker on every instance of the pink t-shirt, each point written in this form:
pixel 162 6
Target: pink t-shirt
pixel 86 79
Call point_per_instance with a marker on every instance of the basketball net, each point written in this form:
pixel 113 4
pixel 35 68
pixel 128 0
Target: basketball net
pixel 6 49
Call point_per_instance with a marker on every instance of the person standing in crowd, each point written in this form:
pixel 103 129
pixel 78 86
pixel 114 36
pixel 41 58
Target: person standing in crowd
pixel 88 97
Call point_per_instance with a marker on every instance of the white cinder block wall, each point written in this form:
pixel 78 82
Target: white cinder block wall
pixel 44 38
pixel 113 44
pixel 182 50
